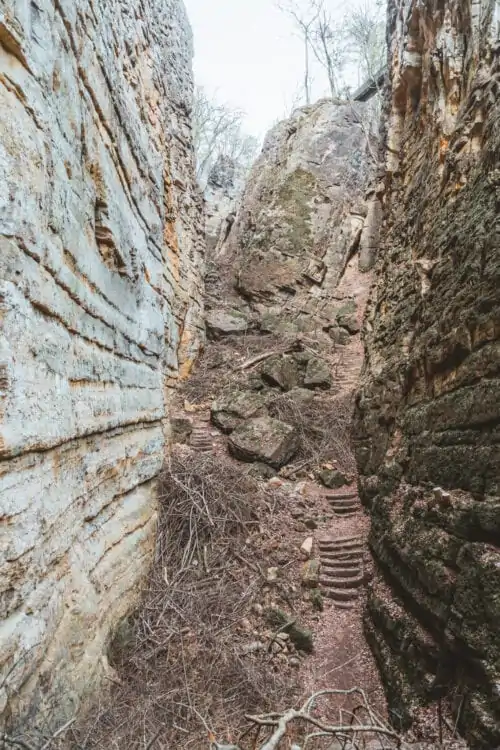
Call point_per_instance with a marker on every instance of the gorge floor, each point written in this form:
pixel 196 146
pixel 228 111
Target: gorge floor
pixel 338 527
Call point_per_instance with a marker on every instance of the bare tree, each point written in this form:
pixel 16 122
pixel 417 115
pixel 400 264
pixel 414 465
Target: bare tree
pixel 365 31
pixel 328 46
pixel 306 23
pixel 218 131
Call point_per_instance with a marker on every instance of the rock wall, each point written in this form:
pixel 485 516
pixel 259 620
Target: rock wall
pixel 224 187
pixel 100 297
pixel 301 217
pixel 428 418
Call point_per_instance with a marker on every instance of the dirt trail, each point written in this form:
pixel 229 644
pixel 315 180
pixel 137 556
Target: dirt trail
pixel 342 657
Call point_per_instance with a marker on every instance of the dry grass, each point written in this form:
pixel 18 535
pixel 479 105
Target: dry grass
pixel 178 665
pixel 217 369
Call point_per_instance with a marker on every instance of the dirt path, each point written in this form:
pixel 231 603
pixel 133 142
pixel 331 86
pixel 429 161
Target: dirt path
pixel 342 658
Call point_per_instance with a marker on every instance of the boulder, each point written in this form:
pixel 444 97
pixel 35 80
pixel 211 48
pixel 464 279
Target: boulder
pixel 339 336
pixel 266 440
pixel 351 324
pixel 282 372
pixel 220 323
pixel 318 374
pixel 307 547
pixel 231 409
pixel 333 479
pixel 305 187
pixel 347 317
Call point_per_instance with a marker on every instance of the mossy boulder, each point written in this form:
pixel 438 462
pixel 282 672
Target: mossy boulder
pixel 265 440
pixel 281 372
pixel 318 374
pixel 234 407
pixel 310 574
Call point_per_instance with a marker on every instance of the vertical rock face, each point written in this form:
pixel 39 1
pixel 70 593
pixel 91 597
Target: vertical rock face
pixel 100 265
pixel 224 187
pixel 428 414
pixel 299 224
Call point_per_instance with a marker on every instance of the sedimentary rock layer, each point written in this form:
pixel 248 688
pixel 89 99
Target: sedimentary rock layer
pixel 428 418
pixel 100 267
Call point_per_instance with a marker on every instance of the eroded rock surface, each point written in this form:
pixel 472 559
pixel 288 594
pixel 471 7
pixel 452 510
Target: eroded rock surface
pixel 301 218
pixel 428 413
pixel 100 298
pixel 224 187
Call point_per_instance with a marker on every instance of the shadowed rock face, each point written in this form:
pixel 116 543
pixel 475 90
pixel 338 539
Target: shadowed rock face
pixel 300 219
pixel 100 303
pixel 428 413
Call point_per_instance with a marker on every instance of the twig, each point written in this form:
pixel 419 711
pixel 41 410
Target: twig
pixel 58 733
pixel 153 740
pixel 16 742
pixel 259 358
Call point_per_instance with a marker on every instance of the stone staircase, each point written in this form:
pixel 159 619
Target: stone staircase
pixel 201 439
pixel 345 505
pixel 347 369
pixel 342 569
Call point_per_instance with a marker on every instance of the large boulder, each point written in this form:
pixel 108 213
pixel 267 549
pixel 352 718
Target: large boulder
pixel 265 440
pixel 220 323
pixel 301 217
pixel 318 374
pixel 282 371
pixel 231 409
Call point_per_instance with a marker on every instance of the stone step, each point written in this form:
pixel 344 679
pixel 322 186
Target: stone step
pixel 347 546
pixel 345 504
pixel 341 583
pixel 343 557
pixel 343 605
pixel 345 571
pixel 340 595
pixel 338 540
pixel 343 496
pixel 339 509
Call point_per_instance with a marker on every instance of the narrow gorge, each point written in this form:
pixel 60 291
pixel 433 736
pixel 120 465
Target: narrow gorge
pixel 248 440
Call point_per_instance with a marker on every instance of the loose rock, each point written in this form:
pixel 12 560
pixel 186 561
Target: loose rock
pixel 221 323
pixel 266 440
pixel 307 547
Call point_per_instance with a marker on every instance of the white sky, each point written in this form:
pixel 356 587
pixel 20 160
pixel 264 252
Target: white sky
pixel 246 52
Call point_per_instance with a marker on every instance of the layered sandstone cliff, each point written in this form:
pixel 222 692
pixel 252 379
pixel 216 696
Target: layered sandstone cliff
pixel 100 298
pixel 428 416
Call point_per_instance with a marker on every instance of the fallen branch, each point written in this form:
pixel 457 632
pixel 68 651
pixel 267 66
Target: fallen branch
pixel 279 722
pixel 261 358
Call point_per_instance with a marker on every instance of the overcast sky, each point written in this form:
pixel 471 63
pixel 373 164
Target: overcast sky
pixel 247 52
